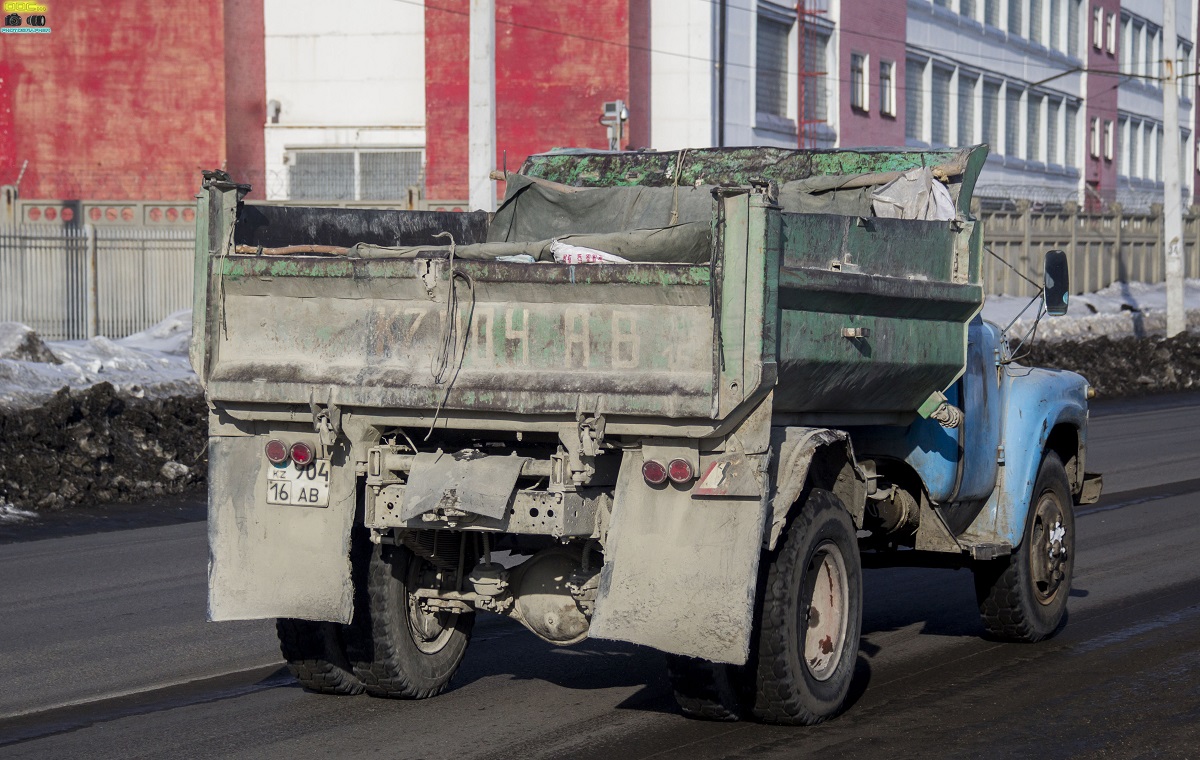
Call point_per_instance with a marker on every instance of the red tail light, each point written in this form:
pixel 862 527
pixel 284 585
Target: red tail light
pixel 654 473
pixel 302 454
pixel 680 471
pixel 277 451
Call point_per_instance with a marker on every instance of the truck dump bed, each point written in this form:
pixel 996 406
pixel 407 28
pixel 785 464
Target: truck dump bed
pixel 748 269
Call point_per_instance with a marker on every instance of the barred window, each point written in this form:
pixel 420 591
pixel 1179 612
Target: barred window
pixel 914 105
pixel 816 99
pixel 940 107
pixel 1053 109
pixel 991 115
pixel 1055 39
pixel 1014 18
pixel 771 73
pixel 966 109
pixel 1012 122
pixel 1071 141
pixel 1033 134
pixel 353 175
pixel 1035 21
pixel 991 12
pixel 1073 7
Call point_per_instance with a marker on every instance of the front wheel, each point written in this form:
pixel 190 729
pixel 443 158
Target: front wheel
pixel 810 617
pixel 1023 597
pixel 403 650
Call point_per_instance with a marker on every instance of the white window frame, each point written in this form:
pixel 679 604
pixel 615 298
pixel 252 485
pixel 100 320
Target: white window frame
pixel 1109 140
pixel 1094 137
pixel 1111 34
pixel 887 94
pixel 1097 27
pixel 860 92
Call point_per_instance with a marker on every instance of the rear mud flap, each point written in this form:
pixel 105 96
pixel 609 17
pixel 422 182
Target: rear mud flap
pixel 679 573
pixel 269 561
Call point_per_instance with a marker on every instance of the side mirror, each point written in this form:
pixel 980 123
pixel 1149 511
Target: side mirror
pixel 1056 283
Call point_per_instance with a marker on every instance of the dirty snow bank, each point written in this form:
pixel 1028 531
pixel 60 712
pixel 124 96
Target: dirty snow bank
pixel 149 364
pixel 1133 309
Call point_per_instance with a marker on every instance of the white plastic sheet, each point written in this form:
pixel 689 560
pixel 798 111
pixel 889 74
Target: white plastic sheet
pixel 914 195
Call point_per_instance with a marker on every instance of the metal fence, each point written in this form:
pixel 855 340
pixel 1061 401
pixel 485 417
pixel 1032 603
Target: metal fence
pixel 69 283
pixel 1103 248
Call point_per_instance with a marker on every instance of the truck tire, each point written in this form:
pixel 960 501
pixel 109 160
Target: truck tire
pixel 315 656
pixel 810 617
pixel 707 690
pixel 1023 597
pixel 399 651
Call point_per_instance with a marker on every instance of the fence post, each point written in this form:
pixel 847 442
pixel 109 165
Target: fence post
pixel 1071 211
pixel 1025 209
pixel 1156 211
pixel 1194 220
pixel 93 304
pixel 1117 269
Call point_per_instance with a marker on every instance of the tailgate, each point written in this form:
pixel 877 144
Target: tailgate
pixel 631 339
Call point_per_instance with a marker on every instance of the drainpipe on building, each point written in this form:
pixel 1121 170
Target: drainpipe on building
pixel 723 24
pixel 1172 205
pixel 481 128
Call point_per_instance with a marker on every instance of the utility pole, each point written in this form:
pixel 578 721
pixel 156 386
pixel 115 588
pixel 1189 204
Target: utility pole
pixel 482 97
pixel 1172 206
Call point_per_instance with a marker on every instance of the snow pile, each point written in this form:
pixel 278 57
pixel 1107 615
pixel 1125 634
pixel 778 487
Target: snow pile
pixel 11 514
pixel 1133 309
pixel 152 363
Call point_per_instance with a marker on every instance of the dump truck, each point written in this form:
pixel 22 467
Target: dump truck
pixel 675 398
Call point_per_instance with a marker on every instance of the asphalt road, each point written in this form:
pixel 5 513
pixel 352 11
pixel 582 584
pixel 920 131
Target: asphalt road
pixel 104 653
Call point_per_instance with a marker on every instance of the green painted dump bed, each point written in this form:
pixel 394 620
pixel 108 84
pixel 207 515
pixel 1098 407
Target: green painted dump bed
pixel 749 270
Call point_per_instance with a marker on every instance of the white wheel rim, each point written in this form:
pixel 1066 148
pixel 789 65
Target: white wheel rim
pixel 825 617
pixel 430 631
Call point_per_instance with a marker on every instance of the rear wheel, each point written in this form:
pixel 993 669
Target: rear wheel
pixel 402 650
pixel 707 690
pixel 810 617
pixel 316 657
pixel 1023 597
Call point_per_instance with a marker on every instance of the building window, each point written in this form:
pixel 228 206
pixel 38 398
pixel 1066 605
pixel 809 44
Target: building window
pixel 816 98
pixel 1012 122
pixel 991 114
pixel 1158 151
pixel 1094 138
pixel 1014 18
pixel 1098 28
pixel 771 66
pixel 1123 161
pixel 914 104
pixel 1072 123
pixel 1056 19
pixel 859 97
pixel 1035 21
pixel 1111 34
pixel 967 8
pixel 1033 133
pixel 940 106
pixel 1109 140
pixel 1073 27
pixel 966 109
pixel 353 175
pixel 991 12
pixel 887 88
pixel 1053 108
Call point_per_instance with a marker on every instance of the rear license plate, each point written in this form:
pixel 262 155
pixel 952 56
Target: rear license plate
pixel 294 486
